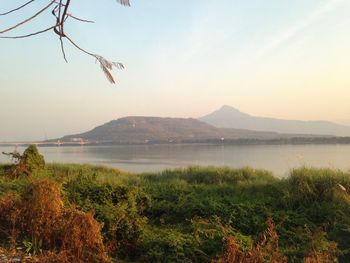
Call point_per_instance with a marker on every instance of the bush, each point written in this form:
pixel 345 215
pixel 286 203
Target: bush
pixel 38 220
pixel 26 163
pixel 170 245
pixel 265 249
pixel 41 207
pixel 119 208
pixel 10 214
pixel 80 237
pixel 33 159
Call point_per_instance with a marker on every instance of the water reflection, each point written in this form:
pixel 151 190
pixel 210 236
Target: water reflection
pixel 146 158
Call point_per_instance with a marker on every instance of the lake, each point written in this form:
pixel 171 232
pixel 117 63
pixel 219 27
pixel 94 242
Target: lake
pixel 279 159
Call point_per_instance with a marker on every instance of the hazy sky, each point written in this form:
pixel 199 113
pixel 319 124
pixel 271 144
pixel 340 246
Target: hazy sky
pixel 286 59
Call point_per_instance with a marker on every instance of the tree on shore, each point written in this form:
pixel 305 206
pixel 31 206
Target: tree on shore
pixel 26 163
pixel 60 10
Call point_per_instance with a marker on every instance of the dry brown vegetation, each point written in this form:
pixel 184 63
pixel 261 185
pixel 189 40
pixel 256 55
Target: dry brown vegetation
pixel 19 168
pixel 56 234
pixel 42 207
pixel 264 250
pixel 9 217
pixel 326 254
pixel 81 237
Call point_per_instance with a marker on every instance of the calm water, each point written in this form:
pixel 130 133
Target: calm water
pixel 277 158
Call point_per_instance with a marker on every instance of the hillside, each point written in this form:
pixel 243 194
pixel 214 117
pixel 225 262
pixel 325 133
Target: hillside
pixel 155 129
pixel 229 117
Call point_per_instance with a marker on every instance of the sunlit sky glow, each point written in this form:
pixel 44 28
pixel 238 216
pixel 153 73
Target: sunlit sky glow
pixel 284 59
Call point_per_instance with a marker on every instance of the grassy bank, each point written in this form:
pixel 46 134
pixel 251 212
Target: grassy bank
pixel 190 215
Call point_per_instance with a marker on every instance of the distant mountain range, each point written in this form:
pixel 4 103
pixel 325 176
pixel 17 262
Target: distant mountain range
pixel 134 130
pixel 225 124
pixel 229 117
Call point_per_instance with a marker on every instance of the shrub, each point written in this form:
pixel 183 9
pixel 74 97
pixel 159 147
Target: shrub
pixel 320 249
pixel 80 237
pixel 10 214
pixel 41 208
pixel 169 245
pixel 25 163
pixel 119 208
pixel 33 159
pixel 265 249
pixel 43 225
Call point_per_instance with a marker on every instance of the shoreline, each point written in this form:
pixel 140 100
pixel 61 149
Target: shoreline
pixel 280 141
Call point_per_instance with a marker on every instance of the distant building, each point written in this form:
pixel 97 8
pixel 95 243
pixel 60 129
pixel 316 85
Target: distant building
pixel 76 139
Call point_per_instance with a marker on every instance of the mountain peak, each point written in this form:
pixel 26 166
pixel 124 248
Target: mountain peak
pixel 229 117
pixel 228 111
pixel 228 108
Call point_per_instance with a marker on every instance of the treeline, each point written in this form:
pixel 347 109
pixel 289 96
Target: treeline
pixel 286 141
pixel 82 213
pixel 311 139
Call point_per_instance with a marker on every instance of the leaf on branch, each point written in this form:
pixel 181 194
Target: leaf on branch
pixel 107 66
pixel 124 2
pixel 118 65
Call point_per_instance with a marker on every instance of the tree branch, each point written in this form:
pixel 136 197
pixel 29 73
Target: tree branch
pixel 28 19
pixel 60 12
pixel 16 9
pixel 29 35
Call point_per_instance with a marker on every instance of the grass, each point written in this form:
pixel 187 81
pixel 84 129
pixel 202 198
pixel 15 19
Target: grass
pixel 185 215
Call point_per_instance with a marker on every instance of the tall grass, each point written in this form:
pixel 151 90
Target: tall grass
pixel 187 215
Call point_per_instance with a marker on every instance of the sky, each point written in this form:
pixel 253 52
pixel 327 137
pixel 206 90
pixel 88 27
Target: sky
pixel 273 58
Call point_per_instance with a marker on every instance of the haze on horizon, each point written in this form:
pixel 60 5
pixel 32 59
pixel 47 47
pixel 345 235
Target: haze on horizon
pixel 282 59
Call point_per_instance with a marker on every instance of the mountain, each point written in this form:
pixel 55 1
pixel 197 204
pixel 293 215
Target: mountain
pixel 131 130
pixel 229 117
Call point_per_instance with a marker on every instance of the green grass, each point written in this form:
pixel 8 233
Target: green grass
pixel 182 215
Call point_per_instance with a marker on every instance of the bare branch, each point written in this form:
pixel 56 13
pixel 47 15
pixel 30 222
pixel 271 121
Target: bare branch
pixel 62 49
pixel 28 19
pixel 80 19
pixel 105 65
pixel 18 8
pixel 78 47
pixel 64 15
pixel 60 12
pixel 29 35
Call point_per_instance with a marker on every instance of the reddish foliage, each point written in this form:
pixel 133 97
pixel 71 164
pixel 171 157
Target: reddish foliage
pixel 18 168
pixel 232 254
pixel 9 216
pixel 265 250
pixel 41 209
pixel 81 237
pixel 324 254
pixel 65 235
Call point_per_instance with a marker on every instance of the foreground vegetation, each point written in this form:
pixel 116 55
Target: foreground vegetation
pixel 83 213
